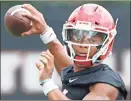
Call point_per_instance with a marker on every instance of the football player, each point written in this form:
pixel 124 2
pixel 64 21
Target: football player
pixel 88 37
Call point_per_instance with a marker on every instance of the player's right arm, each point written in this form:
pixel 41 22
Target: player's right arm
pixel 39 26
pixel 61 59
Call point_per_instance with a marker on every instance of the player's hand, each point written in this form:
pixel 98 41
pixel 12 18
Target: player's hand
pixel 45 65
pixel 39 24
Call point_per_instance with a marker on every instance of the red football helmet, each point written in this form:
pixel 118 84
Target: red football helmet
pixel 90 19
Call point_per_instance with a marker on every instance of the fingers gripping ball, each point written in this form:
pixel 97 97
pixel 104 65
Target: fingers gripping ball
pixel 15 23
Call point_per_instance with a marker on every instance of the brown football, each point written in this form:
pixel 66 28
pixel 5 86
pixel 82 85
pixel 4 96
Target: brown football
pixel 15 23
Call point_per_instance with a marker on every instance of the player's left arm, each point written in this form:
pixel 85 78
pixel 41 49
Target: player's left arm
pixel 102 91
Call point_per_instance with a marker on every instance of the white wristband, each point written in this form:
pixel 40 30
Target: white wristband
pixel 48 36
pixel 48 86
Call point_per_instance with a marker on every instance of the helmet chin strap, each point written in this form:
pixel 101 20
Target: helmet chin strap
pixel 82 63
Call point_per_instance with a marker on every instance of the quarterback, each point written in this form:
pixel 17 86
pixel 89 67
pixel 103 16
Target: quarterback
pixel 88 37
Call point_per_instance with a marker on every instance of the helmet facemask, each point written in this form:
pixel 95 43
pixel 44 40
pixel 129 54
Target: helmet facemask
pixel 84 34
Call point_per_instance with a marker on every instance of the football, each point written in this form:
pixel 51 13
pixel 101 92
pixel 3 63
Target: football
pixel 15 23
